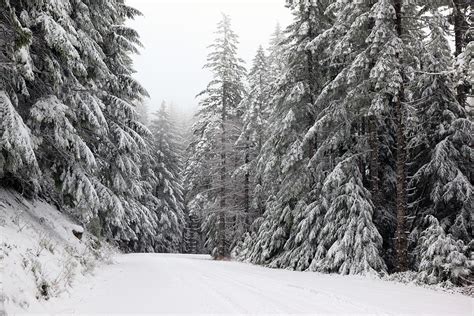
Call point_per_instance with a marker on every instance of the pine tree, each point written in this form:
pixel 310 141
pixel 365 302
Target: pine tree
pixel 64 158
pixel 349 244
pixel 341 147
pixel 282 162
pixel 265 80
pixel 276 55
pixel 18 163
pixel 441 256
pixel 214 138
pixel 126 137
pixel 17 156
pixel 168 190
pixel 255 119
pixel 442 181
pixel 74 160
pixel 336 138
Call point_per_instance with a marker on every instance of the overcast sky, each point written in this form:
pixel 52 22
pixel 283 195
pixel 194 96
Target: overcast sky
pixel 176 33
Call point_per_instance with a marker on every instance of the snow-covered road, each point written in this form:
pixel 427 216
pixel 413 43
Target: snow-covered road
pixel 177 284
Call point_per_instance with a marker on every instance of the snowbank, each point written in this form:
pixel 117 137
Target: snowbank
pixel 42 253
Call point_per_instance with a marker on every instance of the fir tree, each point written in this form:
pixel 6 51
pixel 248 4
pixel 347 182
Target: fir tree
pixel 17 156
pixel 441 256
pixel 276 55
pixel 442 181
pixel 214 136
pixel 282 162
pixel 18 162
pixel 168 190
pixel 349 244
pixel 255 119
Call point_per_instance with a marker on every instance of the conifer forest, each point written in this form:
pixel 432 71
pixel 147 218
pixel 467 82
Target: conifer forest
pixel 345 146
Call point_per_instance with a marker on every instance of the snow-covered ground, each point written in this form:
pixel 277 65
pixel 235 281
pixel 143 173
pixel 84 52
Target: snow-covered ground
pixel 194 284
pixel 40 257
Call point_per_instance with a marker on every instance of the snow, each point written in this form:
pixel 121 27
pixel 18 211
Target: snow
pixel 195 284
pixel 38 248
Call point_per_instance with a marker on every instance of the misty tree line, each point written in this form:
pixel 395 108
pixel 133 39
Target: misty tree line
pixel 346 147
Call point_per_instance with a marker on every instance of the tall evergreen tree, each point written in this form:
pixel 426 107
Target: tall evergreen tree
pixel 258 106
pixel 255 107
pixel 282 164
pixel 325 237
pixel 442 179
pixel 168 190
pixel 214 137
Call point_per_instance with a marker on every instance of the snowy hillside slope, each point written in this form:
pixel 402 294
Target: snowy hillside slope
pixel 39 254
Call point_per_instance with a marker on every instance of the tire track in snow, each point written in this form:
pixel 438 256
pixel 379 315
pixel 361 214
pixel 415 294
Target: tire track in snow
pixel 343 300
pixel 274 290
pixel 278 287
pixel 214 279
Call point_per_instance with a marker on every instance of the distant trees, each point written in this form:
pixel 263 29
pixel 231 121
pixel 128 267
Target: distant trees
pixel 166 166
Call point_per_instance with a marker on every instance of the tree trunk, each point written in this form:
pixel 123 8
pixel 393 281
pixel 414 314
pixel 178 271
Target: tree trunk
pixel 401 200
pixel 312 81
pixel 193 234
pixel 222 247
pixel 460 29
pixel 310 65
pixel 460 25
pixel 248 217
pixel 374 157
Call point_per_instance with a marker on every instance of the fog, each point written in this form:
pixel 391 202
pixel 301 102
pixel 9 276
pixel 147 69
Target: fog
pixel 176 34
